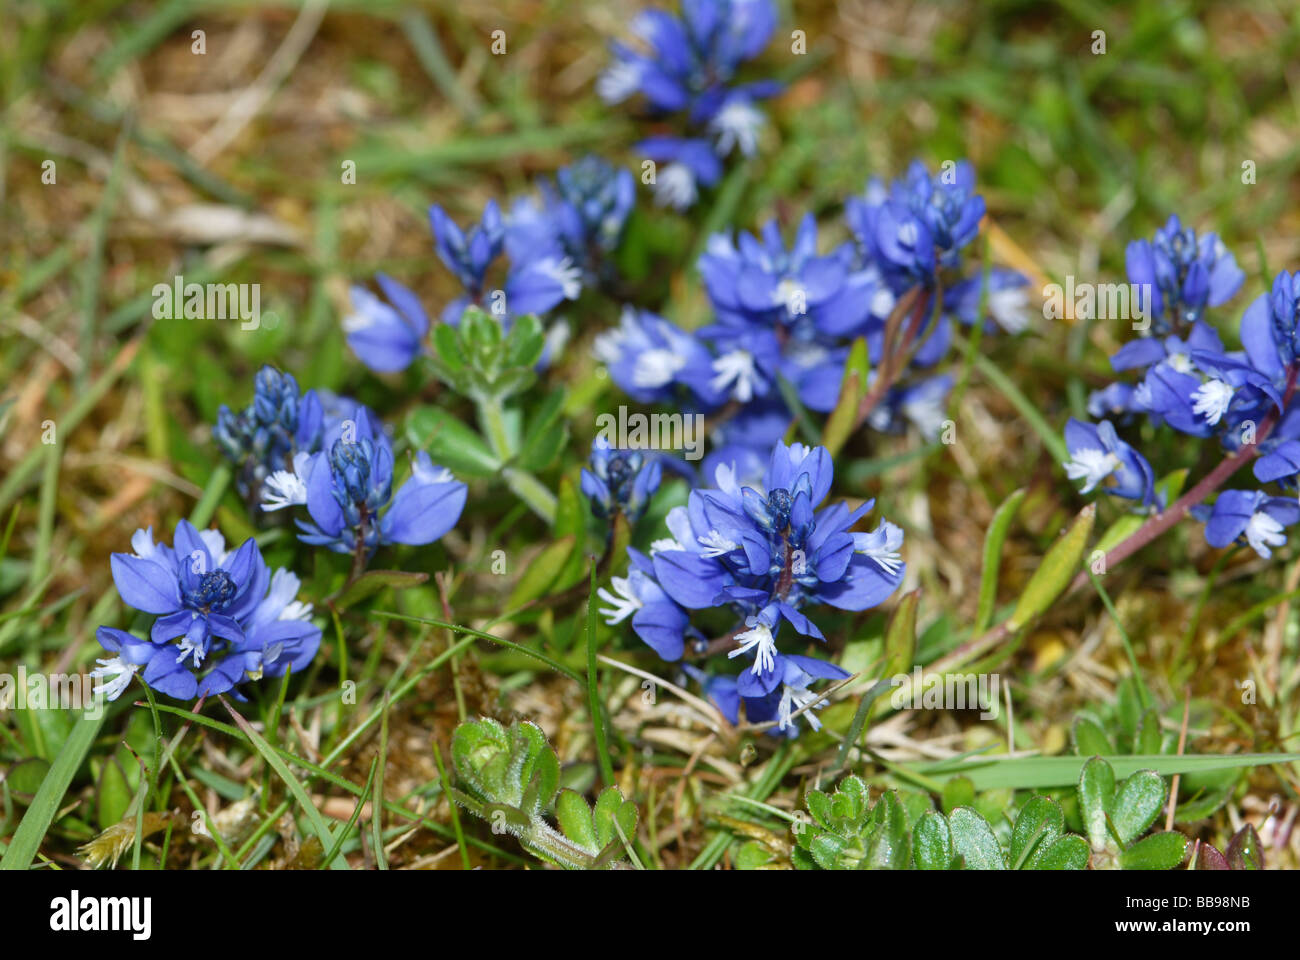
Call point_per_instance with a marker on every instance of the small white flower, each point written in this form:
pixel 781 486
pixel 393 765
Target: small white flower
pixel 675 187
pixel 734 371
pixel 737 124
pixel 1262 532
pixel 794 699
pixel 881 545
pixel 1009 308
pixel 1212 399
pixel 115 675
pixel 759 639
pixel 619 81
pixel 621 606
pixel 656 368
pixel 188 648
pixel 286 488
pixel 563 272
pixel 1092 466
pixel 716 545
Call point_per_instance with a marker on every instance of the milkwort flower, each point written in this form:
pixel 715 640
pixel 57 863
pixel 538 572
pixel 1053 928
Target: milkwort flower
pixel 620 480
pixel 579 217
pixel 1193 384
pixel 765 554
pixel 265 435
pixel 218 625
pixel 687 65
pixel 388 336
pixel 347 489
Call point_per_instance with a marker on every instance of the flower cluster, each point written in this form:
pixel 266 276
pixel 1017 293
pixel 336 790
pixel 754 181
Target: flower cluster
pixel 527 262
pixel 347 488
pixel 1191 383
pixel 223 617
pixel 265 435
pixel 620 480
pixel 789 313
pixel 686 65
pixel 763 553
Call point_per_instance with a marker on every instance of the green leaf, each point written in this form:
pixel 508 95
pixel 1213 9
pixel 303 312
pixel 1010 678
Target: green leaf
pixel 1037 826
pixel 545 435
pixel 1055 571
pixel 1090 739
pixel 994 540
pixel 372 581
pixel 49 798
pixel 1036 773
pixel 890 845
pixel 1137 804
pixel 541 573
pixel 853 387
pixel 932 843
pixel 1096 794
pixel 1066 853
pixel 1149 739
pixel 957 792
pixel 612 809
pixel 973 840
pixel 900 637
pixel 450 442
pixel 112 795
pixel 574 818
pixel 1160 851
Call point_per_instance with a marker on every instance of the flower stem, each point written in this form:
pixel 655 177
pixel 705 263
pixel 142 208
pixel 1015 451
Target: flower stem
pixel 1209 483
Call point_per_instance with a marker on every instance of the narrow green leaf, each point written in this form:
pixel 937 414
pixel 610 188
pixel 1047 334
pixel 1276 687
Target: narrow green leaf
pixel 993 542
pixel 1055 571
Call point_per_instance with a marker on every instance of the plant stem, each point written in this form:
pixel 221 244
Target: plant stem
pixel 1209 483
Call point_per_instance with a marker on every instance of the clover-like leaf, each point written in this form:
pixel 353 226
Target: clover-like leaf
pixel 1096 794
pixel 1037 826
pixel 1090 739
pixel 932 843
pixel 1160 851
pixel 1137 804
pixel 973 840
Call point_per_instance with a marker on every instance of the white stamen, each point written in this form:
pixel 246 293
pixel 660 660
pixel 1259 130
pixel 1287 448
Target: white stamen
pixel 1212 398
pixel 656 368
pixel 188 647
pixel 1092 466
pixel 116 675
pixel 1262 532
pixel 792 700
pixel 737 124
pixel 621 606
pixel 716 545
pixel 675 187
pixel 735 371
pixel 759 639
pixel 1180 362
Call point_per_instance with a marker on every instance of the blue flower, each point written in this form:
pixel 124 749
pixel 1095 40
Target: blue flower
pixel 216 625
pixel 1098 456
pixel 920 223
pixel 652 360
pixel 764 553
pixel 265 435
pixel 1007 299
pixel 687 65
pixel 348 492
pixel 579 215
pixel 1248 516
pixel 1270 327
pixel 620 480
pixel 386 337
pixel 1182 274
